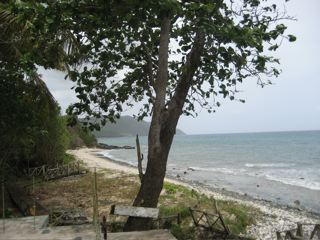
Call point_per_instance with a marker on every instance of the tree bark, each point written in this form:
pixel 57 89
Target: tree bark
pixel 163 124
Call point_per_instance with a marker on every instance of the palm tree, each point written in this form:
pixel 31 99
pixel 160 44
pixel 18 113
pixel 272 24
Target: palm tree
pixel 15 43
pixel 15 40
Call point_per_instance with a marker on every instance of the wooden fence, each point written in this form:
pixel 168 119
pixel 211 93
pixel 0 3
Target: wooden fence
pixel 299 234
pixel 59 171
pixel 37 171
pixel 211 222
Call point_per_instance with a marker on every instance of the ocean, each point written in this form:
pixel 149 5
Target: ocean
pixel 283 167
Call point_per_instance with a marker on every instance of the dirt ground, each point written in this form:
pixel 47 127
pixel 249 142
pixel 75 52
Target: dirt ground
pixel 77 191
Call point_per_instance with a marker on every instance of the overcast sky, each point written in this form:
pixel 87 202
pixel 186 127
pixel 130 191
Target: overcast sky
pixel 292 103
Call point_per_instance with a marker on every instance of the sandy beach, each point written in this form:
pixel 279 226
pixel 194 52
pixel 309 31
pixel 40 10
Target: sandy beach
pixel 274 217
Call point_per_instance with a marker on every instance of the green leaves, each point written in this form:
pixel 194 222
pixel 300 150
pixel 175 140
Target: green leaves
pixel 281 28
pixel 30 127
pixel 120 42
pixel 292 38
pixel 274 47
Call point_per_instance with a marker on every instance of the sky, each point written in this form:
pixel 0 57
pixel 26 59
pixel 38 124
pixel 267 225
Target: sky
pixel 292 103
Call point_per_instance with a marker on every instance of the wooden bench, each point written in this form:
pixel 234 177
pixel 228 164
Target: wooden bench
pixel 131 211
pixel 142 212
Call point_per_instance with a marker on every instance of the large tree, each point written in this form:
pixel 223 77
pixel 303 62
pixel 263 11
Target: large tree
pixel 169 56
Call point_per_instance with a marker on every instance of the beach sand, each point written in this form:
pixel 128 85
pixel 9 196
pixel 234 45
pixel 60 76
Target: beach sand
pixel 274 218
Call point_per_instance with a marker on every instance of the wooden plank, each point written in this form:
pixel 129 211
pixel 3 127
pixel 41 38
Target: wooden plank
pixel 21 229
pixel 144 235
pixel 135 211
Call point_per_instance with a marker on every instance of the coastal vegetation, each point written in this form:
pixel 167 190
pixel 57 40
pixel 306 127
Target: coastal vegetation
pixel 116 187
pixel 38 134
pixel 32 131
pixel 216 46
pixel 79 136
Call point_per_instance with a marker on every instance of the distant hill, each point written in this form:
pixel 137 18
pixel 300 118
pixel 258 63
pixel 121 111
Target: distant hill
pixel 126 126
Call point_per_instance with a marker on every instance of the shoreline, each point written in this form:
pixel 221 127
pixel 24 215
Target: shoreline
pixel 276 217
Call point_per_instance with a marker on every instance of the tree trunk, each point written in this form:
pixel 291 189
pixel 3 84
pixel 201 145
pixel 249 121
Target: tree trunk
pixel 163 124
pixel 158 149
pixel 153 178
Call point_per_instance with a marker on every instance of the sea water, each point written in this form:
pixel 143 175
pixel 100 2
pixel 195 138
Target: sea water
pixel 279 166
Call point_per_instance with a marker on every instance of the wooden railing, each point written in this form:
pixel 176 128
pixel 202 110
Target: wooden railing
pixel 37 171
pixel 211 222
pixel 59 171
pixel 298 233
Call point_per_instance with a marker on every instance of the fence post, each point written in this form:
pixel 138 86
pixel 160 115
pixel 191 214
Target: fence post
pixel 140 158
pixel 179 219
pixel 104 227
pixel 315 231
pixel 3 206
pixel 299 230
pixel 95 206
pixel 279 237
pixel 34 205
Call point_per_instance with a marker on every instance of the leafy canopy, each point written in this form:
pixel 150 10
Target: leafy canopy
pixel 120 42
pixel 31 130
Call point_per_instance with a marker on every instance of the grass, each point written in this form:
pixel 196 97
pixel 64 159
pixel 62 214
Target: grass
pixel 236 216
pixel 68 158
pixel 119 188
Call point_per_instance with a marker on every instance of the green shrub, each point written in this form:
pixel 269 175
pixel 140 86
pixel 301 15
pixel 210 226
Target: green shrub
pixel 177 199
pixel 80 137
pixel 182 233
pixel 68 158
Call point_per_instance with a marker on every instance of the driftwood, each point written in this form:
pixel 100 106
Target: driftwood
pixel 140 158
pixel 25 201
pixel 134 211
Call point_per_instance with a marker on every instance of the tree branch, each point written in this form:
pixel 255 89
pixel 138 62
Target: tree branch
pixel 160 84
pixel 189 68
pixel 162 74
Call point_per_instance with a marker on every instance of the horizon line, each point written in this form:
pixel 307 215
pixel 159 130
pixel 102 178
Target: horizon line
pixel 273 131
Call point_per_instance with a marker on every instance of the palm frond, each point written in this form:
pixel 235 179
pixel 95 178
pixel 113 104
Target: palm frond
pixel 6 18
pixel 42 86
pixel 11 36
